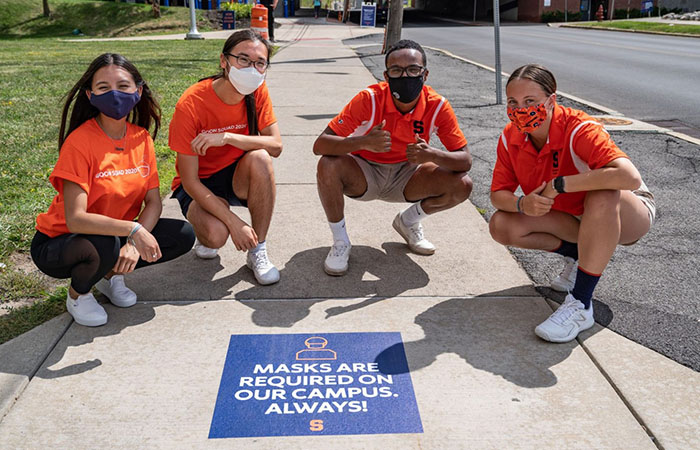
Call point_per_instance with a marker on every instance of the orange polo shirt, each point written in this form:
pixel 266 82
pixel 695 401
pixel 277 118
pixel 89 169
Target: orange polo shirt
pixel 116 181
pixel 576 143
pixel 431 115
pixel 200 110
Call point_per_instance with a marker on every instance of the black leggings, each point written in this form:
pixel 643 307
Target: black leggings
pixel 86 258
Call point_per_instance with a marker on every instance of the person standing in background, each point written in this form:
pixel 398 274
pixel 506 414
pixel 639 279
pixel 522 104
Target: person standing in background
pixel 270 5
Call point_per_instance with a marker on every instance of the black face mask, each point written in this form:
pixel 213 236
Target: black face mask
pixel 406 89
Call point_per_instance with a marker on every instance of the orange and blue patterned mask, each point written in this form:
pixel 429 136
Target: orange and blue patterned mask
pixel 528 119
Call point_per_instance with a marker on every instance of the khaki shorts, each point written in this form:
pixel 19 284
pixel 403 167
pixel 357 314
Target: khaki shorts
pixel 385 181
pixel 647 199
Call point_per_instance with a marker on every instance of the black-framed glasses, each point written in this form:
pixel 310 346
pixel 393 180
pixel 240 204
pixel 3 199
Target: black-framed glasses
pixel 413 70
pixel 245 61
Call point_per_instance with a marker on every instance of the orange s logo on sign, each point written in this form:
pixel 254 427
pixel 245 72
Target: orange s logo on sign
pixel 316 425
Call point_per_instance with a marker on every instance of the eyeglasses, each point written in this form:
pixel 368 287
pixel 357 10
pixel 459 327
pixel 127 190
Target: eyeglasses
pixel 245 61
pixel 411 71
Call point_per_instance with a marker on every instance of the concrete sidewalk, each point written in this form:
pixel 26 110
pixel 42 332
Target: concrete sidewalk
pixel 480 377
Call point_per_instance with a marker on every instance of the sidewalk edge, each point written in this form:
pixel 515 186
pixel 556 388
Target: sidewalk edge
pixel 43 339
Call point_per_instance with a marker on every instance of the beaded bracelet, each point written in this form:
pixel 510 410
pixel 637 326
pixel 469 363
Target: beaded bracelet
pixel 517 205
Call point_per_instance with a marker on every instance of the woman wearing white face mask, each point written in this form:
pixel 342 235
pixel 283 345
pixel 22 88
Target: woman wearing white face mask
pixel 583 196
pixel 225 132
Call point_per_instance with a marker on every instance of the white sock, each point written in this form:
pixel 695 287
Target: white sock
pixel 339 231
pixel 413 214
pixel 259 247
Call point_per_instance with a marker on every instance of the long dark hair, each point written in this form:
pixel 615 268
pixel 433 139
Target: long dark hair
pixel 145 113
pixel 537 73
pixel 233 40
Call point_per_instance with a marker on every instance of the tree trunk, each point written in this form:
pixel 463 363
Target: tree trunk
pixel 346 11
pixel 47 11
pixel 394 24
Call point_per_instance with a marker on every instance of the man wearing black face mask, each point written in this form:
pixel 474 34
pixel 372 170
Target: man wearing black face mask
pixel 378 148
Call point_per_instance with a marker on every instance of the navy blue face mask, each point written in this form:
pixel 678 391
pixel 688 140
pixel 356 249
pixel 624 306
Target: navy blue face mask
pixel 115 104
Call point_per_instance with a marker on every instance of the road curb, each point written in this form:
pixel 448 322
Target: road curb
pixel 585 27
pixel 590 104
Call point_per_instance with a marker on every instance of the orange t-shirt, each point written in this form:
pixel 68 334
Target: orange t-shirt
pixel 116 181
pixel 576 143
pixel 200 110
pixel 431 115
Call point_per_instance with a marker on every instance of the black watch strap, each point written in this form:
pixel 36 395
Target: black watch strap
pixel 559 184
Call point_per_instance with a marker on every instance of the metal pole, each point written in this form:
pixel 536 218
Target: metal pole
pixel 497 39
pixel 474 20
pixel 566 11
pixel 193 34
pixel 612 10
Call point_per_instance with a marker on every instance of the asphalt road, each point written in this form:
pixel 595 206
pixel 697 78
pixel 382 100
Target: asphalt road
pixel 649 291
pixel 648 77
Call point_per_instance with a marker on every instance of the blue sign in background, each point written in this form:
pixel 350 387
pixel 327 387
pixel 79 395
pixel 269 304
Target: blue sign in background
pixel 248 405
pixel 368 15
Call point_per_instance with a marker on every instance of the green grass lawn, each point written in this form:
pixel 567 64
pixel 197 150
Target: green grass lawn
pixel 34 76
pixel 23 18
pixel 645 26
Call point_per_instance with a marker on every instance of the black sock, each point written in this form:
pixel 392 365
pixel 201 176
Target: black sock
pixel 568 249
pixel 583 289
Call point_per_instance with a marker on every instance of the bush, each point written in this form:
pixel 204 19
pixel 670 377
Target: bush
pixel 242 9
pixel 558 16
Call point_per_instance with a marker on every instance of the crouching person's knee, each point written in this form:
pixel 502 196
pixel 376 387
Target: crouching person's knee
pixel 498 227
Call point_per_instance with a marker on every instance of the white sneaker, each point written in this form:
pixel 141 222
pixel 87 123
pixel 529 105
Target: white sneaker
pixel 265 272
pixel 413 236
pixel 204 252
pixel 566 322
pixel 116 291
pixel 336 263
pixel 566 280
pixel 86 311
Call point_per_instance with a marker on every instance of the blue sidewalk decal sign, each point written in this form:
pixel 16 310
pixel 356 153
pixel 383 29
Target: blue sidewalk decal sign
pixel 368 15
pixel 306 384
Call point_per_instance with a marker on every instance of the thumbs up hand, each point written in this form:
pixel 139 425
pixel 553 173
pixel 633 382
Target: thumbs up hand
pixel 419 152
pixel 378 140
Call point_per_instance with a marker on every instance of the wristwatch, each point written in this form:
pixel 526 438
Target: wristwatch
pixel 558 184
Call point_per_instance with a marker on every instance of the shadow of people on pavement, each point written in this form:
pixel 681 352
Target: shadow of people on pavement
pixel 372 273
pixel 491 332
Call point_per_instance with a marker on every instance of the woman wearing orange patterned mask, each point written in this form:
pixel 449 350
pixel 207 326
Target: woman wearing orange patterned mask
pixel 582 194
pixel 105 220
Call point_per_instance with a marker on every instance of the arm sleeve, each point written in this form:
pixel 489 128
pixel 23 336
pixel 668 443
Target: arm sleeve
pixel 73 165
pixel 448 129
pixel 593 145
pixel 150 158
pixel 183 128
pixel 354 115
pixel 504 177
pixel 263 105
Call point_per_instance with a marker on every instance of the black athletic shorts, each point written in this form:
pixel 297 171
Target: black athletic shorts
pixel 220 184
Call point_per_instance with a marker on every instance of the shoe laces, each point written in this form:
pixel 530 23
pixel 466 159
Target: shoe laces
pixel 568 270
pixel 260 260
pixel 339 248
pixel 417 231
pixel 565 311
